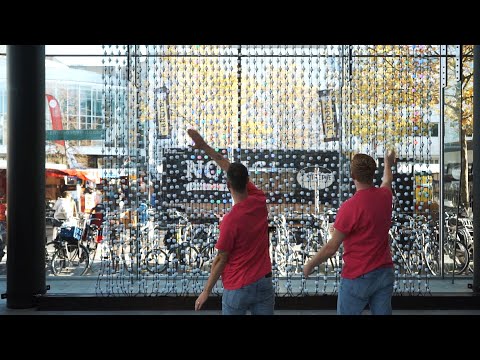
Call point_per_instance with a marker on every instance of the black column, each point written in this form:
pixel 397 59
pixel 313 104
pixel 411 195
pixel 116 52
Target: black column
pixel 26 175
pixel 476 169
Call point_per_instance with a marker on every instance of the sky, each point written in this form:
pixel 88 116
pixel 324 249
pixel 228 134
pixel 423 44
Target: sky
pixel 76 51
pixel 73 50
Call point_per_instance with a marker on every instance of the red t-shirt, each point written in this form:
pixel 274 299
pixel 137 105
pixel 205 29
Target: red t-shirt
pixel 3 209
pixel 365 218
pixel 244 235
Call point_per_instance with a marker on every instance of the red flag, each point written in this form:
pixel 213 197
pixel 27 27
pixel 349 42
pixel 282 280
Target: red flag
pixel 56 116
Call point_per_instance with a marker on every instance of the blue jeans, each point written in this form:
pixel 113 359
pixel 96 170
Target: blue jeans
pixel 258 297
pixel 374 288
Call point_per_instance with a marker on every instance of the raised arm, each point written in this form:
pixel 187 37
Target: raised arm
pixel 387 170
pixel 202 145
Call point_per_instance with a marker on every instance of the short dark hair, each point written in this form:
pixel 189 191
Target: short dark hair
pixel 363 168
pixel 237 175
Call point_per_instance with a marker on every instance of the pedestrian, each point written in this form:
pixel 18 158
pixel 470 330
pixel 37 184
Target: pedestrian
pixel 65 211
pixel 362 225
pixel 65 208
pixel 243 258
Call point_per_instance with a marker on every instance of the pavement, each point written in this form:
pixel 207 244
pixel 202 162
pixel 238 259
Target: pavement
pixel 85 286
pixel 4 311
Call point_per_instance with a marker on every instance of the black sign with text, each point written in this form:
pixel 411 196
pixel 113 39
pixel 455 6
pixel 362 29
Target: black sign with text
pixel 286 176
pixel 329 115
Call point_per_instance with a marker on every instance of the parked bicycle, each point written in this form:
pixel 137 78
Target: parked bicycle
pixel 456 254
pixel 70 257
pixel 292 246
pixel 176 254
pixel 205 238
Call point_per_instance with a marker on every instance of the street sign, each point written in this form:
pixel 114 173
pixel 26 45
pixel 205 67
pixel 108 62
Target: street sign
pixel 97 134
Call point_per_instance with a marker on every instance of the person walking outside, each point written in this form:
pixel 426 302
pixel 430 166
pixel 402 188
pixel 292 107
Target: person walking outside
pixel 65 208
pixel 243 258
pixel 362 224
pixel 65 211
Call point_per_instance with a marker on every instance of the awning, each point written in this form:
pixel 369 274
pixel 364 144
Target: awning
pixel 81 174
pixel 55 173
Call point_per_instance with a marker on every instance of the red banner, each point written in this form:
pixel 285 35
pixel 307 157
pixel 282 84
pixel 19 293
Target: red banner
pixel 56 116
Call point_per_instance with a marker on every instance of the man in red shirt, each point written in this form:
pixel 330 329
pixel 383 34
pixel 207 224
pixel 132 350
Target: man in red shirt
pixel 362 224
pixel 243 258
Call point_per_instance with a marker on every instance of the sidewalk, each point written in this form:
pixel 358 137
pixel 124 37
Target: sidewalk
pixel 88 285
pixel 85 286
pixel 33 312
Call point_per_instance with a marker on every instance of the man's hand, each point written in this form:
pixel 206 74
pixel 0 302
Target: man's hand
pixel 219 217
pixel 390 157
pixel 387 169
pixel 197 139
pixel 201 300
pixel 307 269
pixel 202 145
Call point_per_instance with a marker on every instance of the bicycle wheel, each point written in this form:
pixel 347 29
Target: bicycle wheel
pixel 205 258
pixel 83 258
pixel 415 257
pixel 200 238
pixel 59 261
pixel 131 262
pixel 298 259
pixel 432 257
pixel 73 261
pixel 129 257
pixel 470 253
pixel 169 239
pixel 335 261
pixel 456 259
pixel 467 240
pixel 415 262
pixel 157 261
pixel 460 257
pixel 49 251
pixel 189 258
pixel 282 258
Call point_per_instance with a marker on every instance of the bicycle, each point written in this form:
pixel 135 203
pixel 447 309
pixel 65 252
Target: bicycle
pixel 281 250
pixel 179 254
pixel 456 254
pixel 70 257
pixel 204 241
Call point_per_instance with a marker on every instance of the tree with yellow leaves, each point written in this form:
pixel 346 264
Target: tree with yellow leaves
pixel 391 93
